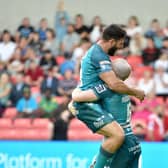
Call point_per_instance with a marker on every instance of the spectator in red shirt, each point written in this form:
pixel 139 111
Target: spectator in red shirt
pixel 34 74
pixel 155 127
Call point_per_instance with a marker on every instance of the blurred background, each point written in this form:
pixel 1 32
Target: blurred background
pixel 41 46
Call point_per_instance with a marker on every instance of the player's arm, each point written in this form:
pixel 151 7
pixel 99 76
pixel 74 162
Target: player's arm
pixel 119 86
pixel 83 96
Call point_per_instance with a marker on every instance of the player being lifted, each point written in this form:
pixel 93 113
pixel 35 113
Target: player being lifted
pixel 127 156
pixel 96 69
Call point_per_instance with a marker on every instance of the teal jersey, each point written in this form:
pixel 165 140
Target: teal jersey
pixel 95 61
pixel 119 106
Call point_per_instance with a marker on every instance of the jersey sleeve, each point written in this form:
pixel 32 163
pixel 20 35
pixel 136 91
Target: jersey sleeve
pixel 101 62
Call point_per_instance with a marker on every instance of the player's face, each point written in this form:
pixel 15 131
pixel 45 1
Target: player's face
pixel 115 45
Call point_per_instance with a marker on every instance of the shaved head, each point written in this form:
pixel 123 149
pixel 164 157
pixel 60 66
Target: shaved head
pixel 121 68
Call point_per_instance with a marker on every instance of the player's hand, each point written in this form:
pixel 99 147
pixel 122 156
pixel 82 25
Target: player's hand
pixel 140 94
pixel 72 108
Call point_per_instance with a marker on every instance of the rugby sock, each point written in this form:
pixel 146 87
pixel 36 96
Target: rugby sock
pixel 102 158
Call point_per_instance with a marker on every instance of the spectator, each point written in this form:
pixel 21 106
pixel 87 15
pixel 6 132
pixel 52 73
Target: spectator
pixel 68 64
pixel 80 28
pixel 47 105
pixel 52 42
pixel 47 61
pixel 70 41
pixel 50 82
pixel 34 74
pixel 62 19
pixel 43 29
pixel 146 83
pixel 150 53
pixel 23 45
pixel 161 82
pixel 155 125
pixel 67 85
pixel 164 48
pixel 79 52
pixel 25 29
pixel 16 55
pixel 7 47
pixel 137 44
pixel 2 68
pixel 165 30
pixel 27 105
pixel 133 26
pixel 35 43
pixel 17 89
pixel 96 29
pixel 5 89
pixel 154 27
pixel 162 62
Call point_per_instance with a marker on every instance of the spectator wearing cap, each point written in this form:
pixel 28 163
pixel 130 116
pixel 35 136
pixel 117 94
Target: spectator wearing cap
pixel 70 40
pixel 25 29
pixel 27 105
pixel 17 89
pixel 51 42
pixel 43 29
pixel 34 74
pixel 66 86
pixel 50 82
pixel 48 61
pixel 150 52
pixel 7 47
pixel 47 105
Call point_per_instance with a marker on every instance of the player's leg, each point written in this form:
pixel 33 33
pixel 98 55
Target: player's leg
pixel 110 145
pixel 102 123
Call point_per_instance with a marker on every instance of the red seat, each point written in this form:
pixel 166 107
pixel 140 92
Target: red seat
pixel 60 59
pixel 60 99
pixel 134 61
pixel 79 131
pixel 10 112
pixel 23 123
pixel 41 123
pixel 139 72
pixel 5 123
pixel 115 57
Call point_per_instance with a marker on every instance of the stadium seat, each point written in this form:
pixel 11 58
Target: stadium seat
pixel 79 131
pixel 10 112
pixel 60 99
pixel 5 123
pixel 134 61
pixel 115 57
pixel 41 123
pixel 60 59
pixel 23 123
pixel 140 71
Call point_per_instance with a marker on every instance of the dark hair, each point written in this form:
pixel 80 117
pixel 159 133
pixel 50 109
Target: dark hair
pixel 52 32
pixel 113 32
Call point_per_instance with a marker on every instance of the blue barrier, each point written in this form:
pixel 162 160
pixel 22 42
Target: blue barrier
pixel 37 154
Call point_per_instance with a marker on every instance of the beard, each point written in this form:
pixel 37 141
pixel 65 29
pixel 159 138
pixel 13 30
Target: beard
pixel 112 51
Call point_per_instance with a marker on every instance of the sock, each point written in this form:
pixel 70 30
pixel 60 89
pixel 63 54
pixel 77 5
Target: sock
pixel 102 158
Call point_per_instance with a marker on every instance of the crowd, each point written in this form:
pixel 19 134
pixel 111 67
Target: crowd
pixel 48 59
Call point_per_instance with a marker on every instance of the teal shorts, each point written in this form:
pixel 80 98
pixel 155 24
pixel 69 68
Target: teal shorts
pixel 93 115
pixel 128 154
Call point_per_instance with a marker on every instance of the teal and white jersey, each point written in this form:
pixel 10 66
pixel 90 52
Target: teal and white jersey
pixel 119 106
pixel 95 61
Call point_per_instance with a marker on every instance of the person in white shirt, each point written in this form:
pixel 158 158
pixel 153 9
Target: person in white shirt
pixel 162 62
pixel 133 26
pixel 7 47
pixel 161 82
pixel 146 82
